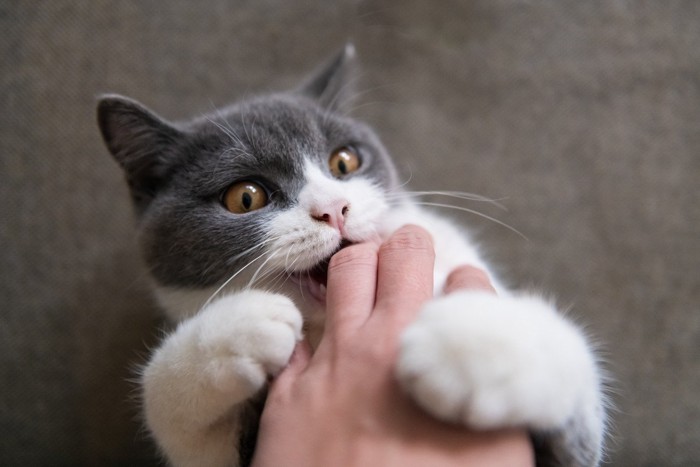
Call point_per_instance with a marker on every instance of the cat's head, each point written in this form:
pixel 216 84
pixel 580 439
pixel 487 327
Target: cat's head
pixel 274 184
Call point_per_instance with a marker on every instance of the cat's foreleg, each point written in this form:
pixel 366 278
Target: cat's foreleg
pixel 493 362
pixel 197 380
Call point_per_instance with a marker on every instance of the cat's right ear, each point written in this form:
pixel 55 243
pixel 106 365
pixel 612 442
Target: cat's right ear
pixel 141 142
pixel 332 84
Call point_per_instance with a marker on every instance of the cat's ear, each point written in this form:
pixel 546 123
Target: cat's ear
pixel 141 142
pixel 332 84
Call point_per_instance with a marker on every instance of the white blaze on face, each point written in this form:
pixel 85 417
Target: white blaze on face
pixel 328 211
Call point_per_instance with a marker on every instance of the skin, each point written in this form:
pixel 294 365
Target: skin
pixel 341 406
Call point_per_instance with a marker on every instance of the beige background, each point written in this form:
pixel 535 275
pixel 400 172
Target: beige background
pixel 582 116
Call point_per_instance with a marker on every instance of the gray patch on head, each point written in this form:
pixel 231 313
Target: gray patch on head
pixel 178 173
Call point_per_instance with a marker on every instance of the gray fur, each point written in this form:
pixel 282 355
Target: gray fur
pixel 178 172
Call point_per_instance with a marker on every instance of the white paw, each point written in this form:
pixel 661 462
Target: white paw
pixel 244 338
pixel 489 362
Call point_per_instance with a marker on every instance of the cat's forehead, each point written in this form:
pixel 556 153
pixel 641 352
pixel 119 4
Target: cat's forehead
pixel 269 138
pixel 274 118
pixel 273 140
pixel 274 126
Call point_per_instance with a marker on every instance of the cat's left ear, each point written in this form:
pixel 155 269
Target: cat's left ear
pixel 332 84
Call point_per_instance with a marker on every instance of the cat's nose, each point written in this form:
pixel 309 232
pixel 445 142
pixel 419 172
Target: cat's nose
pixel 333 215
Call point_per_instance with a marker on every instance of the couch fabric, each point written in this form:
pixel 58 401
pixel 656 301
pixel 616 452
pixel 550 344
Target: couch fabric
pixel 583 118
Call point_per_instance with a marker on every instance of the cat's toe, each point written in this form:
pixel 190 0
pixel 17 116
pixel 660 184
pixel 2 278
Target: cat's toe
pixel 493 362
pixel 248 337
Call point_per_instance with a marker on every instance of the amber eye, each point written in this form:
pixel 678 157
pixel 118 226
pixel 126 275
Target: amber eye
pixel 244 197
pixel 343 161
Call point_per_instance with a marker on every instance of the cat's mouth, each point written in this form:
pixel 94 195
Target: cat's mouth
pixel 316 278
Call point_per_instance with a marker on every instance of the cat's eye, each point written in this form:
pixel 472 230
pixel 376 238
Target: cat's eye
pixel 344 161
pixel 243 197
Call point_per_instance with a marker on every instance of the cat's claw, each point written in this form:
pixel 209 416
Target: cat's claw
pixel 491 362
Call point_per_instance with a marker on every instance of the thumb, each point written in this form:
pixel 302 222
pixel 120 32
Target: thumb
pixel 299 360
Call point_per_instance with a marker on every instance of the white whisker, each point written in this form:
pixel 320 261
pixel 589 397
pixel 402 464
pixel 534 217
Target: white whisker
pixel 452 194
pixel 408 180
pixel 477 213
pixel 228 281
pixel 279 279
pixel 243 253
pixel 257 272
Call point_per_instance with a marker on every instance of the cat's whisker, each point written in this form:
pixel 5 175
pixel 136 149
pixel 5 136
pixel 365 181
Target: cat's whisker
pixel 285 274
pixel 233 276
pixel 477 213
pixel 237 148
pixel 245 252
pixel 288 266
pixel 257 246
pixel 452 194
pixel 280 278
pixel 225 128
pixel 275 277
pixel 401 185
pixel 273 254
pixel 247 133
pixel 269 276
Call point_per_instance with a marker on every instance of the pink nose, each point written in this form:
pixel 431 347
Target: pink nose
pixel 333 215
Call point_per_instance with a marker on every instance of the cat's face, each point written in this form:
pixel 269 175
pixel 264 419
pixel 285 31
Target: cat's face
pixel 267 189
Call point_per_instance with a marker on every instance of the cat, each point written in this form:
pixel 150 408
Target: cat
pixel 239 212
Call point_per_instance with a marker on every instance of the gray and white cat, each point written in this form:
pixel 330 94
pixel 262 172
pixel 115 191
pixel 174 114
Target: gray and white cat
pixel 239 212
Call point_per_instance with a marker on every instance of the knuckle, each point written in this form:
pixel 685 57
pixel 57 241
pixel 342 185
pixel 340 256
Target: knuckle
pixel 360 255
pixel 410 238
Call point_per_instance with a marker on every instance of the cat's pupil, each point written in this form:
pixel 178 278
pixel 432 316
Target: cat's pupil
pixel 342 167
pixel 247 201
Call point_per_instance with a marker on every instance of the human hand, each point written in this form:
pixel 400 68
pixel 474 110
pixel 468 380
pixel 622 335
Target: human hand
pixel 342 406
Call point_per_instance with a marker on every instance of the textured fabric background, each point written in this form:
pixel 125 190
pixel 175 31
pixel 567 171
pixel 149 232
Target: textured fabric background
pixel 583 117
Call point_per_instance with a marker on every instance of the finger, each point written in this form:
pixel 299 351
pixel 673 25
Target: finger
pixel 298 362
pixel 300 358
pixel 352 281
pixel 405 272
pixel 468 277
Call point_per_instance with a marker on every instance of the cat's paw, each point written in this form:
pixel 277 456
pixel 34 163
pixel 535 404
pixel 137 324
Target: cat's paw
pixel 210 364
pixel 491 362
pixel 246 337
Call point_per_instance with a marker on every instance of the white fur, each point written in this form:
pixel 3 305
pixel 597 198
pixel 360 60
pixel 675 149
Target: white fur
pixel 302 241
pixel 211 363
pixel 484 360
pixel 489 361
